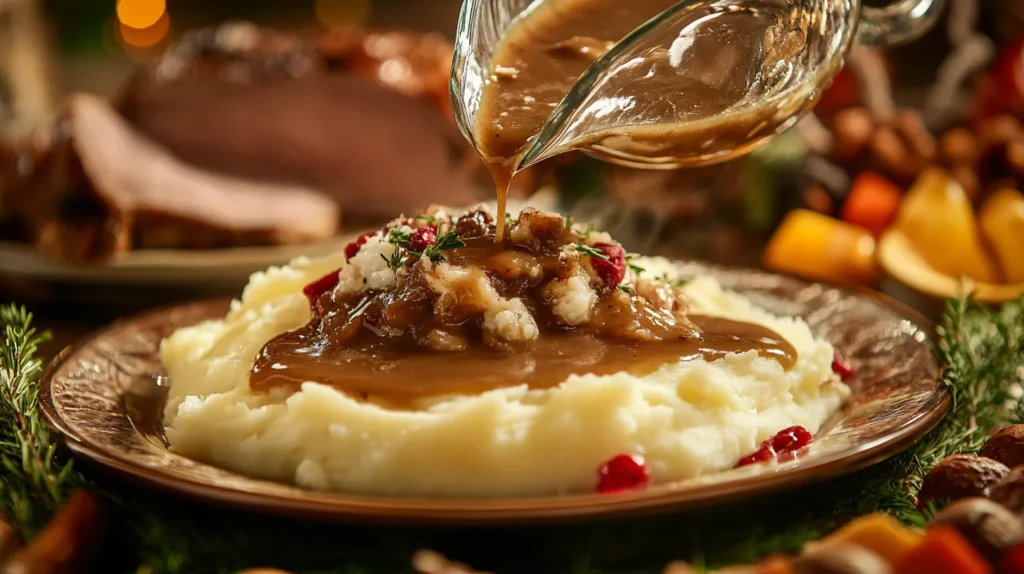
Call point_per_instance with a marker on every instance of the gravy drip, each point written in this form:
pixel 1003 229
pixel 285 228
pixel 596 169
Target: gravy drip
pixel 533 68
pixel 401 344
pixel 702 115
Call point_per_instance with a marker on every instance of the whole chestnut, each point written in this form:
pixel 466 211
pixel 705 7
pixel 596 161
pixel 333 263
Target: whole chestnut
pixel 1006 446
pixel 989 527
pixel 959 476
pixel 1009 491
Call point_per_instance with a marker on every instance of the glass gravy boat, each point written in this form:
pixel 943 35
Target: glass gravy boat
pixel 759 65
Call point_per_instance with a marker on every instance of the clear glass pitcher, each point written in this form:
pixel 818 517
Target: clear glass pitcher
pixel 759 65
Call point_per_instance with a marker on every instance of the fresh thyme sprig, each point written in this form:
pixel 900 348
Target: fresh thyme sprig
pixel 398 236
pixel 434 252
pixel 399 257
pixel 591 251
pixel 446 242
pixel 630 257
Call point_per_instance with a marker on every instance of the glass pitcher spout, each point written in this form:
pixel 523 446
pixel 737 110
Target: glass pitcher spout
pixel 700 82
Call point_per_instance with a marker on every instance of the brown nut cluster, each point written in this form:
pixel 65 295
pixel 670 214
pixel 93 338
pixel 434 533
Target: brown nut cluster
pixel 985 156
pixel 960 476
pixel 899 148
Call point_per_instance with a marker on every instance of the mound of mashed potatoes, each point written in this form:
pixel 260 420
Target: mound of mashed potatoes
pixel 685 419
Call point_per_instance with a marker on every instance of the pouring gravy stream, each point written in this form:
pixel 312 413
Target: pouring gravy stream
pixel 544 53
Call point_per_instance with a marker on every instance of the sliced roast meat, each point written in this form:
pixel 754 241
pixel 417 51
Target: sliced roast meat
pixel 104 188
pixel 362 117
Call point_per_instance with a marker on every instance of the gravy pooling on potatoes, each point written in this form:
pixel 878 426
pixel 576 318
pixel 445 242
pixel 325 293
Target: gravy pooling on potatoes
pixel 406 342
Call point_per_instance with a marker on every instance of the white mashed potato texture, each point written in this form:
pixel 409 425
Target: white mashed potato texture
pixel 685 419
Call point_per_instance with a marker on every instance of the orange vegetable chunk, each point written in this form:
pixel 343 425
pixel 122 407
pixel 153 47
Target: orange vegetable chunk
pixel 1002 222
pixel 937 217
pixel 873 202
pixel 819 247
pixel 776 565
pixel 943 551
pixel 880 533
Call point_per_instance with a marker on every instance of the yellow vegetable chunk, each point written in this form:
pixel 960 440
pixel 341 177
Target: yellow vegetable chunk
pixel 819 247
pixel 937 217
pixel 880 533
pixel 1002 222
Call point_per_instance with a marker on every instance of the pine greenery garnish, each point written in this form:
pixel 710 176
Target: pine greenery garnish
pixel 982 350
pixel 34 481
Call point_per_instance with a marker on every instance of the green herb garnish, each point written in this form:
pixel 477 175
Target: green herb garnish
pixel 399 257
pixel 636 268
pixel 591 251
pixel 626 289
pixel 428 218
pixel 444 243
pixel 398 237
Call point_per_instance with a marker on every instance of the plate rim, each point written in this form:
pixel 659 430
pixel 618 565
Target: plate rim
pixel 660 498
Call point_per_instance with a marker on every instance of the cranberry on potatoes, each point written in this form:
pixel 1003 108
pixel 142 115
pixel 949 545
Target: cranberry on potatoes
pixel 613 270
pixel 841 366
pixel 623 472
pixel 352 248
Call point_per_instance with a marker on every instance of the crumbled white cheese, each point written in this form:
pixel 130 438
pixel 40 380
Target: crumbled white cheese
pixel 589 236
pixel 368 269
pixel 510 320
pixel 572 300
pixel 472 290
pixel 350 280
pixel 571 254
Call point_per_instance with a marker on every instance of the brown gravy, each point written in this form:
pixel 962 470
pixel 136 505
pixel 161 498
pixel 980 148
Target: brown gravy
pixel 400 374
pixel 407 342
pixel 699 113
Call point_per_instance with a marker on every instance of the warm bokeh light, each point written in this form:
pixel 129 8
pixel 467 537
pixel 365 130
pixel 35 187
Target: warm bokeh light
pixel 145 37
pixel 342 13
pixel 140 14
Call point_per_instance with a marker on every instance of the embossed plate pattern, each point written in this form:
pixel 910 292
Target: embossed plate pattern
pixel 105 396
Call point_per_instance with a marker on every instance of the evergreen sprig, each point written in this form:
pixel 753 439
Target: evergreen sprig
pixel 34 482
pixel 982 351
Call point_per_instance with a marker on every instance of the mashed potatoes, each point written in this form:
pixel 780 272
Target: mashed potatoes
pixel 685 419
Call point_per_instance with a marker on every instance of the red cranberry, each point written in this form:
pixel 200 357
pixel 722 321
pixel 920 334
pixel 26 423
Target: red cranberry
pixel 624 472
pixel 614 269
pixel 422 238
pixel 786 441
pixel 841 366
pixel 790 439
pixel 763 454
pixel 314 290
pixel 1013 561
pixel 352 248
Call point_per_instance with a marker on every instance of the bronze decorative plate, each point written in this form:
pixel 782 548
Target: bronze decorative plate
pixel 105 395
